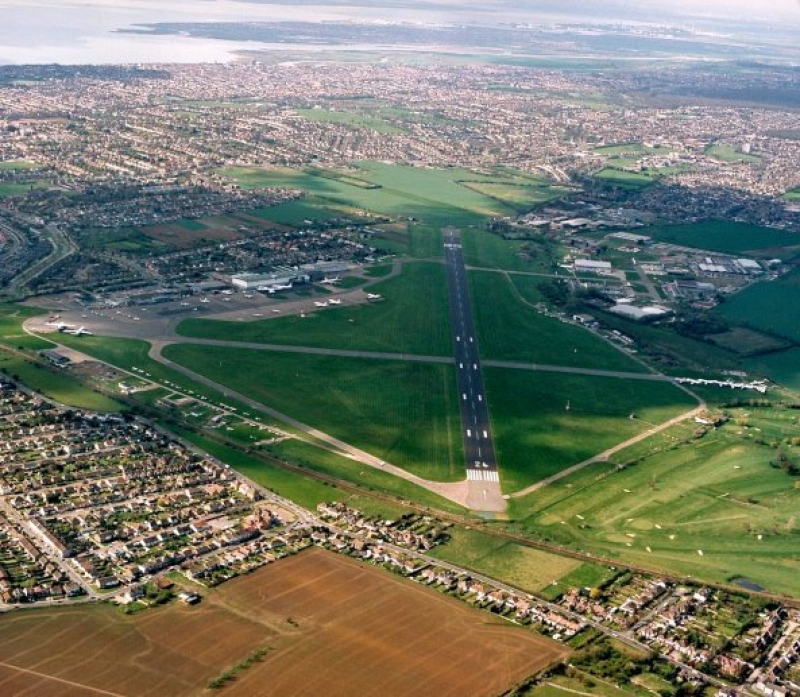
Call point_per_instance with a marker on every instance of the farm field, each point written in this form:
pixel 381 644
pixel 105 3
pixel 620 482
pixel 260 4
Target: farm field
pixel 510 330
pixel 404 413
pixel 770 307
pixel 359 626
pixel 362 629
pixel 413 317
pixel 719 496
pixel 429 195
pixel 546 422
pixel 730 238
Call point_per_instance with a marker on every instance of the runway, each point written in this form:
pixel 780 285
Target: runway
pixel 476 429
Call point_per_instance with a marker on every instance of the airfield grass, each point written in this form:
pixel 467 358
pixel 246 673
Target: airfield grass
pixel 412 317
pixel 770 307
pixel 308 455
pixel 511 330
pixel 12 317
pixel 630 149
pixel 715 496
pixel 730 238
pixel 546 422
pixel 486 250
pixel 433 196
pixel 133 353
pixel 404 413
pixel 782 367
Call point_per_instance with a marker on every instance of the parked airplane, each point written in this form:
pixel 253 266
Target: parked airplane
pixel 373 296
pixel 321 304
pixel 61 326
pixel 80 331
pixel 330 281
pixel 204 300
pixel 333 301
pixel 227 292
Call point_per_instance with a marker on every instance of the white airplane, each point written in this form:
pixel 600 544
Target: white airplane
pixel 61 326
pixel 204 300
pixel 80 331
pixel 333 301
pixel 330 281
pixel 373 296
pixel 249 296
pixel 321 304
pixel 277 312
pixel 227 292
pixel 184 304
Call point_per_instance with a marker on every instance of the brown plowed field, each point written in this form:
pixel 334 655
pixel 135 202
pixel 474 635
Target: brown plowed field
pixel 334 627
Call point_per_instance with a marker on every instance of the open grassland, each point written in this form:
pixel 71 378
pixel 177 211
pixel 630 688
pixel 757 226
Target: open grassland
pixel 730 238
pixel 429 195
pixel 770 307
pixel 17 165
pixel 631 150
pixel 720 496
pixel 546 422
pixel 404 413
pixel 510 330
pixel 308 210
pixel 412 317
pixel 353 630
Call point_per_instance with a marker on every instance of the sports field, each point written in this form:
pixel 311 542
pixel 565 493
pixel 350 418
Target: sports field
pixel 546 422
pixel 404 413
pixel 412 317
pixel 714 508
pixel 359 628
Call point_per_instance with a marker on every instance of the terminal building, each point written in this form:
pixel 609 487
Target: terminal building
pixel 279 276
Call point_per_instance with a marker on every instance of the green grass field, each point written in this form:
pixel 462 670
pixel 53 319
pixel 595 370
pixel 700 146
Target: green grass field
pixel 55 384
pixel 624 179
pixel 346 118
pixel 731 238
pixel 14 189
pixel 404 413
pixel 413 317
pixel 510 330
pixel 782 367
pixel 728 153
pixel 524 567
pixel 11 333
pixel 769 307
pixel 309 209
pixel 487 250
pixel 17 165
pixel 429 195
pixel 546 422
pixel 719 496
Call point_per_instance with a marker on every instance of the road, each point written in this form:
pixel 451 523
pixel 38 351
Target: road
pixel 476 427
